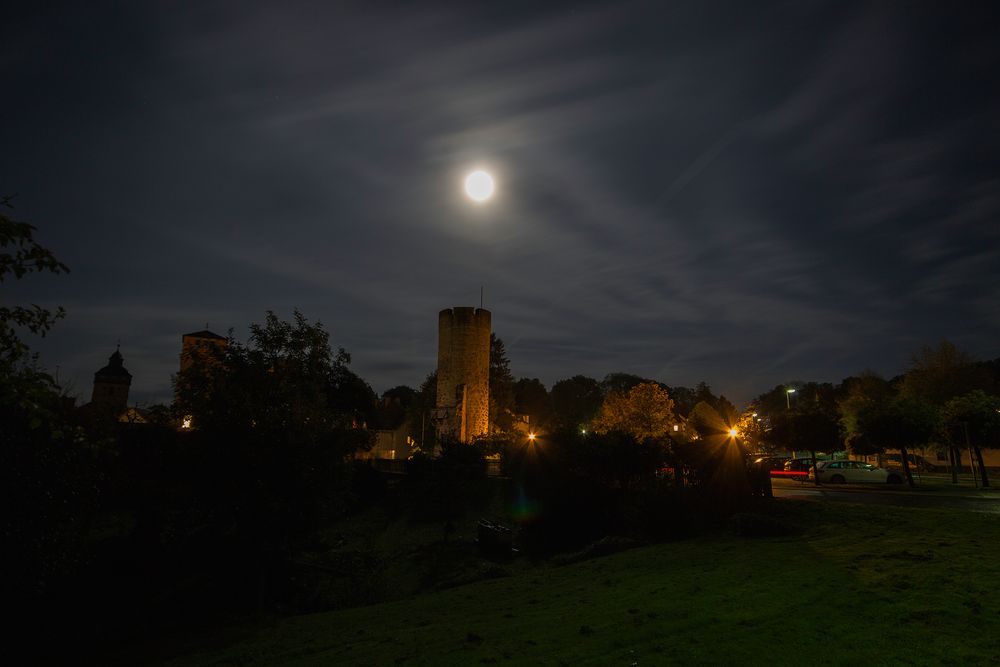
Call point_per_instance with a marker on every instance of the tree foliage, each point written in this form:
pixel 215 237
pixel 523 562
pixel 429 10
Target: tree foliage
pixel 900 422
pixel 705 420
pixel 644 411
pixel 20 255
pixel 47 467
pixel 753 432
pixel 572 488
pixel 814 418
pixel 501 388
pixel 620 383
pixel 861 393
pixel 897 422
pixel 973 420
pixel 721 404
pixel 684 399
pixel 575 402
pixel 532 398
pixel 275 420
pixel 282 411
pixel 977 413
pixel 393 406
pixel 285 383
pixel 942 372
pixel 418 415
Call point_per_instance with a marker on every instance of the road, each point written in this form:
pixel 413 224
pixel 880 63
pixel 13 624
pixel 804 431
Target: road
pixel 985 501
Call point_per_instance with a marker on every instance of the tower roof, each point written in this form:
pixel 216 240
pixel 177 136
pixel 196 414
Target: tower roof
pixel 204 333
pixel 115 367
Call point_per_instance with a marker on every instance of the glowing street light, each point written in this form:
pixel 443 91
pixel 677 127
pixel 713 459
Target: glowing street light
pixel 531 437
pixel 732 433
pixel 788 403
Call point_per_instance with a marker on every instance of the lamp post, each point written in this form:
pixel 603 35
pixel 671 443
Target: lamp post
pixel 788 406
pixel 788 402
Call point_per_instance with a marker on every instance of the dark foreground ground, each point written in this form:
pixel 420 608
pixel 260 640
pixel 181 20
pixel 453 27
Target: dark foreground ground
pixel 851 584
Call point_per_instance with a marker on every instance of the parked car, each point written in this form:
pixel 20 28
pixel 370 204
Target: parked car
pixel 776 464
pixel 855 472
pixel 797 468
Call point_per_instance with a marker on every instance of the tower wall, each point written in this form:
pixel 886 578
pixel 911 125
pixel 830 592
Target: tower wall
pixel 463 381
pixel 201 347
pixel 111 384
pixel 111 391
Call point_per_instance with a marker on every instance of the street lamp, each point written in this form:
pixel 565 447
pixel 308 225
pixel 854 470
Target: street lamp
pixel 788 404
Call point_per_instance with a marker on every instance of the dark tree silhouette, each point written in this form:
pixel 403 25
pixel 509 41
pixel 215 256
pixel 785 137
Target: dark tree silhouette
pixel 575 402
pixel 48 467
pixel 620 383
pixel 973 420
pixel 532 399
pixel 501 388
pixel 275 419
pixel 941 373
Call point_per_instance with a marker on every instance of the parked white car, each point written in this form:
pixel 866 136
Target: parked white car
pixel 855 472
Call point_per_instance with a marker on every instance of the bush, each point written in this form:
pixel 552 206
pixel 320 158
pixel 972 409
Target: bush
pixel 446 487
pixel 571 489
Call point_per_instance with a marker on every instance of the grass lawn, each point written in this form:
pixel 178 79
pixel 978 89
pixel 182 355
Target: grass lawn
pixel 862 585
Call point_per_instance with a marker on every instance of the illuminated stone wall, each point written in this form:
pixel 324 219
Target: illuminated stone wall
pixel 463 373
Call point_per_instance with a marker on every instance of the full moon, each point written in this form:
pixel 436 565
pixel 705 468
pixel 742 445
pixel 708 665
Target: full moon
pixel 479 186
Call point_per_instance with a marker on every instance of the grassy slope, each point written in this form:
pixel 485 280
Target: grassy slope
pixel 863 585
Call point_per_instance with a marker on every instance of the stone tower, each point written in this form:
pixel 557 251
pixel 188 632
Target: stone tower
pixel 463 373
pixel 200 346
pixel 111 384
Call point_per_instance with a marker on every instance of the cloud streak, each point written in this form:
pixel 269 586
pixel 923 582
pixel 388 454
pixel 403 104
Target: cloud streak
pixel 682 195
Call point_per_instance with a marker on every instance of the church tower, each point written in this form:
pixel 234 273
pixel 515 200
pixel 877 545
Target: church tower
pixel 111 384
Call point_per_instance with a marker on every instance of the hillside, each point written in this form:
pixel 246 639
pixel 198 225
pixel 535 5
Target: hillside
pixel 859 585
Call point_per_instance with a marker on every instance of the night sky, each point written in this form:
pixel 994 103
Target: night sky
pixel 745 193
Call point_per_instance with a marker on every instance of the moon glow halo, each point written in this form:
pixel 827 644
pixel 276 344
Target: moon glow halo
pixel 479 186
